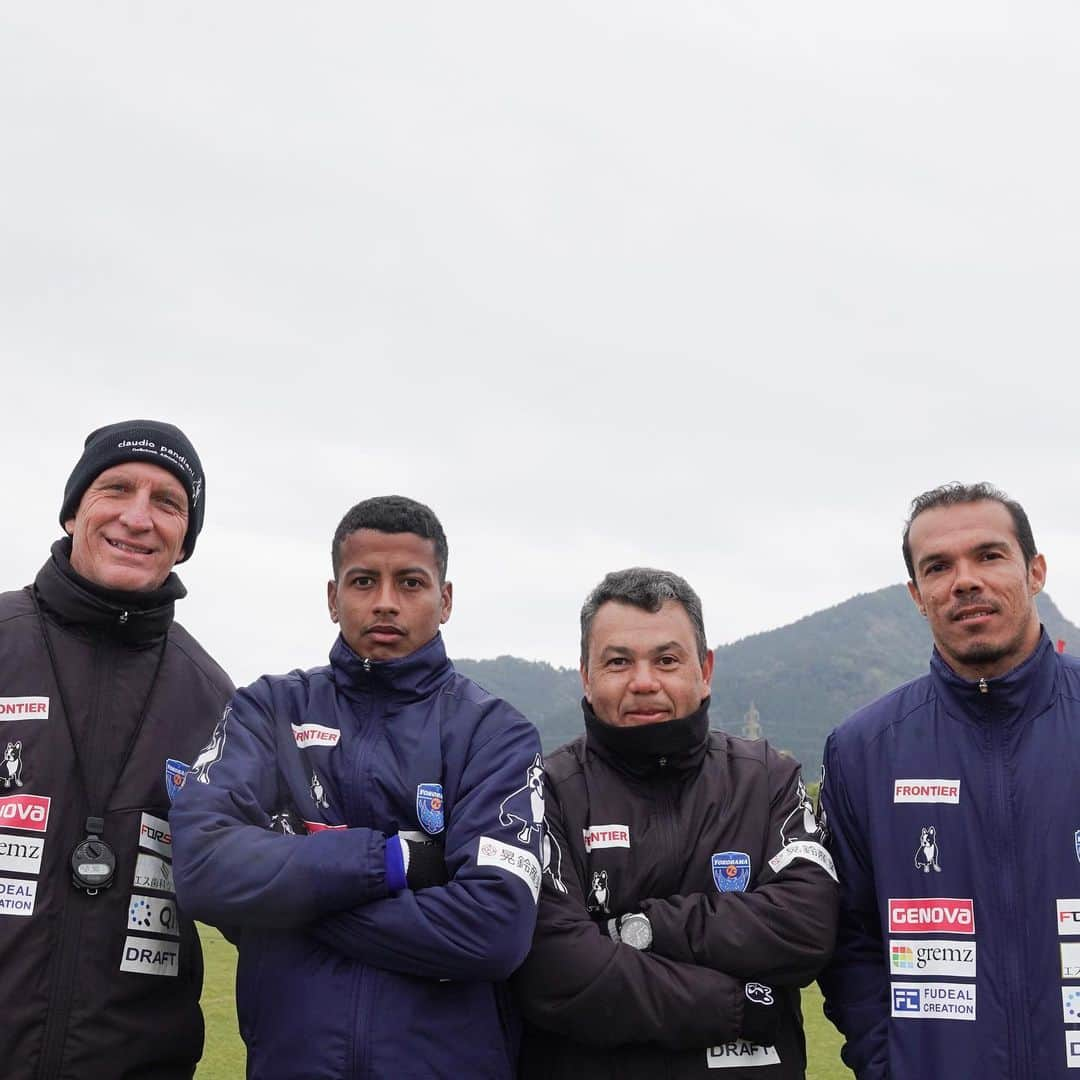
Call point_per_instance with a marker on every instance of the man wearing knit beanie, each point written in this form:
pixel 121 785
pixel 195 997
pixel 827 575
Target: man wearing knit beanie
pixel 104 699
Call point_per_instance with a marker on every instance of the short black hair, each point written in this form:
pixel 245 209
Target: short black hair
pixel 392 514
pixel 648 589
pixel 955 493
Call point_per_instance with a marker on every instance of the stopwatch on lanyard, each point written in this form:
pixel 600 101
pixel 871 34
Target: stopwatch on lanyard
pixel 93 861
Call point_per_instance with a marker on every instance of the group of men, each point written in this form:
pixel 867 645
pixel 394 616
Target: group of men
pixel 415 891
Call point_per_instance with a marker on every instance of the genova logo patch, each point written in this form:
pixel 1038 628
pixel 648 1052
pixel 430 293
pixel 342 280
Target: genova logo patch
pixel 29 812
pixel 935 916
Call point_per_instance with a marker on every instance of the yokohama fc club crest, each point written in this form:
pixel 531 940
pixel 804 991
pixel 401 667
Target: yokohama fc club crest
pixel 731 871
pixel 429 807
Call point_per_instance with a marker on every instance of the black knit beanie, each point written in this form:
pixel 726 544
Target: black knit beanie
pixel 152 441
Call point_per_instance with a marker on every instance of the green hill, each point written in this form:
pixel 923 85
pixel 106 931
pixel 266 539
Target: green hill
pixel 802 679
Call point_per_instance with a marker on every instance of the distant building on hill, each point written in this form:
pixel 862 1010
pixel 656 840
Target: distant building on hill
pixel 751 728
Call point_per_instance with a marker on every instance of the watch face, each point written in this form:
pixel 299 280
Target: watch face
pixel 636 931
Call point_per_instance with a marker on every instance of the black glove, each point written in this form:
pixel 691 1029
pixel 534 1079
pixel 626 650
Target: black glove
pixel 761 1014
pixel 424 864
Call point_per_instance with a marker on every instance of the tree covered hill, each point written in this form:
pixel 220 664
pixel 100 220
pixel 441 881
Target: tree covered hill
pixel 801 680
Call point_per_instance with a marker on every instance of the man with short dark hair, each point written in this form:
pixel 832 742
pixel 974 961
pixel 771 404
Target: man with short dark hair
pixel 954 817
pixel 692 896
pixel 371 833
pixel 104 698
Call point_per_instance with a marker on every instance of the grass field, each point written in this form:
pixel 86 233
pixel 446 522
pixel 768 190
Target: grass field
pixel 224 1056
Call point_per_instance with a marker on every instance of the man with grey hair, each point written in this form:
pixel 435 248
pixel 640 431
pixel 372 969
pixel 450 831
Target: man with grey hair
pixel 689 895
pixel 954 815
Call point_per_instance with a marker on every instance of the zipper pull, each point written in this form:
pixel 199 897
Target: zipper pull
pixel 367 663
pixel 983 688
pixel 123 617
pixel 662 762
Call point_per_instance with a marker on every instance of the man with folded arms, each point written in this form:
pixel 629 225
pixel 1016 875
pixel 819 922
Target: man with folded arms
pixel 693 896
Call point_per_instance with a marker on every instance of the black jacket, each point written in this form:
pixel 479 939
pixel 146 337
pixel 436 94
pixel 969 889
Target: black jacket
pixel 680 823
pixel 70 1007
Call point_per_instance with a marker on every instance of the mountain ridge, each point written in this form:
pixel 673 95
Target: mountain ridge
pixel 791 685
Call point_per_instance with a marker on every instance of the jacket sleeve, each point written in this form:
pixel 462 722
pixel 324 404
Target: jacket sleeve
pixel 856 983
pixel 477 926
pixel 230 868
pixel 780 931
pixel 579 983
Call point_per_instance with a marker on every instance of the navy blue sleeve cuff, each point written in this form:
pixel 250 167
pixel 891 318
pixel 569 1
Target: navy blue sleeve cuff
pixel 395 865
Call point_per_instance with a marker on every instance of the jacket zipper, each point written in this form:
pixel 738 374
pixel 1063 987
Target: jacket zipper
pixel 364 990
pixel 68 946
pixel 1016 1020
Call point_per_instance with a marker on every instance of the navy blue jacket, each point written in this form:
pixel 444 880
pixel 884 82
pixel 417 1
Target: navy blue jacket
pixel 954 813
pixel 280 836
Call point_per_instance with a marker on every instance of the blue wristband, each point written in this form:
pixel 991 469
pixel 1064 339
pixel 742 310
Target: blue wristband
pixel 395 865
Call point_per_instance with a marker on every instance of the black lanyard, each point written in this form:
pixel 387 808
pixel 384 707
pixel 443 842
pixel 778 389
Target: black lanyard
pixel 93 863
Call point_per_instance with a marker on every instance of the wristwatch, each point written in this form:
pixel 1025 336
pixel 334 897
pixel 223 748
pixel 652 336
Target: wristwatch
pixel 636 931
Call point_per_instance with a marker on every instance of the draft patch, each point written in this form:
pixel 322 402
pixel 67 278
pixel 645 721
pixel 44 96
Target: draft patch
pixel 731 870
pixel 429 807
pixel 151 956
pixel 740 1054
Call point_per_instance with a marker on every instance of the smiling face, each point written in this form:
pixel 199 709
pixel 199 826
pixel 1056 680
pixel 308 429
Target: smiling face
pixel 643 666
pixel 973 587
pixel 387 597
pixel 129 529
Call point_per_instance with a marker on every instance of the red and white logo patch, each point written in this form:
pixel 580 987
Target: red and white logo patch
pixel 939 915
pixel 29 812
pixel 315 735
pixel 606 836
pixel 926 791
pixel 318 826
pixel 24 708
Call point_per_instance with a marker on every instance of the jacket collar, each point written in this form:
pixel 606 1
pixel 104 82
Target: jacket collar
pixel 1021 693
pixel 73 601
pixel 409 678
pixel 668 748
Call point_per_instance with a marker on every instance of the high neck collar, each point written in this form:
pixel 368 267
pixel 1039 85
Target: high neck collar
pixel 79 603
pixel 1022 692
pixel 670 747
pixel 410 677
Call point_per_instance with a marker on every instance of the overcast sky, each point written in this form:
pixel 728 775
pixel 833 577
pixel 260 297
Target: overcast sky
pixel 716 287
